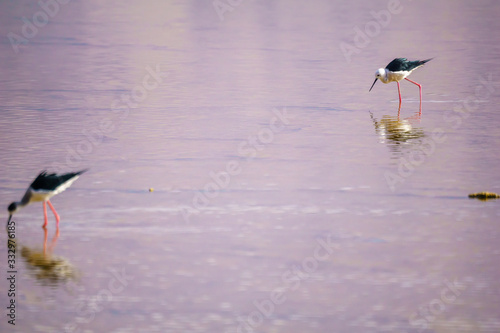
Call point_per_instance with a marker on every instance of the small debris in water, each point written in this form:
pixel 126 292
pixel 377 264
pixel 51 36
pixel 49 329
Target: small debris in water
pixel 484 196
pixel 151 189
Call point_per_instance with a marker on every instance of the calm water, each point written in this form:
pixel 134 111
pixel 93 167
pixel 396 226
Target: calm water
pixel 284 196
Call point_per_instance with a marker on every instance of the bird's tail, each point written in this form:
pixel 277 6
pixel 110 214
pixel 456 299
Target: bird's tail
pixel 85 170
pixel 421 62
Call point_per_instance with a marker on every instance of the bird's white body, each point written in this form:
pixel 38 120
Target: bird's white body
pixel 35 196
pixel 386 76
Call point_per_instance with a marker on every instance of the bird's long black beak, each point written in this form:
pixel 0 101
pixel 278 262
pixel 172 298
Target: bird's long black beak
pixel 373 84
pixel 8 222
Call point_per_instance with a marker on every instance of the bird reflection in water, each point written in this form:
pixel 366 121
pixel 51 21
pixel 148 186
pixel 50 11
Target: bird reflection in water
pixel 46 267
pixel 399 134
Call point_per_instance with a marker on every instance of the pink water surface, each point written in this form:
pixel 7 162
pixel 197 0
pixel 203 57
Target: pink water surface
pixel 242 178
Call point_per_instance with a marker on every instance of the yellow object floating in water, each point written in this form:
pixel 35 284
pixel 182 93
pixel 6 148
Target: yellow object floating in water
pixel 484 195
pixel 151 189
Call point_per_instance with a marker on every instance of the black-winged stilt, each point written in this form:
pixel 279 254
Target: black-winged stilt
pixel 397 70
pixel 44 187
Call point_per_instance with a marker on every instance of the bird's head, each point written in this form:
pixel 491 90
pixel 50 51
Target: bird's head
pixel 381 75
pixel 12 208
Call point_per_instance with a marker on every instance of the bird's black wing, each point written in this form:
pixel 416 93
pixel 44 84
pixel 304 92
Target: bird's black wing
pixel 398 64
pixel 402 64
pixel 51 181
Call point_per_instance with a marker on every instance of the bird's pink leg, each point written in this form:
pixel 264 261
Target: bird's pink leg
pixel 45 241
pixel 46 219
pixel 54 240
pixel 55 213
pixel 419 89
pixel 399 92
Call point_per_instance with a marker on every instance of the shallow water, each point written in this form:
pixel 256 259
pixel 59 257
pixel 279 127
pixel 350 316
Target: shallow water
pixel 284 197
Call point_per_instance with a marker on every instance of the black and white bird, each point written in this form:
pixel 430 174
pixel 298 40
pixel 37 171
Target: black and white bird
pixel 44 187
pixel 397 70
